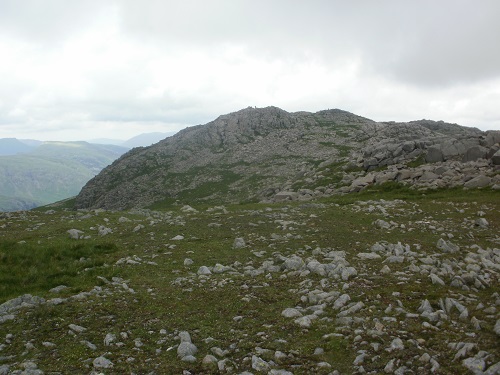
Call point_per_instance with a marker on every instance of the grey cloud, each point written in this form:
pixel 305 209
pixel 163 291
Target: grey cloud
pixel 442 43
pixel 421 42
pixel 46 22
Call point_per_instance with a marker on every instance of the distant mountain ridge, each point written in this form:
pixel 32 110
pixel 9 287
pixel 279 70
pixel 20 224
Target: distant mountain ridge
pixel 50 172
pixel 146 139
pixel 13 146
pixel 141 140
pixel 34 173
pixel 269 154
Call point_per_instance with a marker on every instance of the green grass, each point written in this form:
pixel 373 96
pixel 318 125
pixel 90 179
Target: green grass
pixel 420 160
pixel 31 268
pixel 393 190
pixel 170 296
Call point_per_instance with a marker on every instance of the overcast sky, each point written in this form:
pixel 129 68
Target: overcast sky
pixel 83 69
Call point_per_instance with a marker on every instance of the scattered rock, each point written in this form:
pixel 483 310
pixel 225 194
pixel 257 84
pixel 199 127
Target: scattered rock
pixel 102 363
pixel 447 246
pixel 478 182
pixel 186 348
pixel 291 313
pixel 75 234
pixel 259 364
pixel 239 243
pixel 204 270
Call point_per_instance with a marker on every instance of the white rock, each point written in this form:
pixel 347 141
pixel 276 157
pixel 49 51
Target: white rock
pixel 348 272
pixel 447 246
pixel 341 301
pixel 279 356
pixel 493 369
pixel 389 367
pixel 425 358
pixel 436 279
pixel 324 365
pixel 377 247
pixel 382 224
pixel 219 268
pixel 188 209
pixel 475 365
pixel 184 336
pixel 303 321
pixel 316 267
pixel 435 366
pixel 259 364
pixel 138 227
pixel 103 231
pixel 496 329
pixel 319 351
pixel 102 362
pixel 203 270
pixel 396 344
pixel 77 328
pixel 110 338
pixel 239 243
pixel 425 306
pixel 58 289
pixel 385 269
pixel 482 223
pixel 209 359
pixel 294 263
pixel 368 256
pixel 4 318
pixel 186 349
pixel 75 234
pixel 351 310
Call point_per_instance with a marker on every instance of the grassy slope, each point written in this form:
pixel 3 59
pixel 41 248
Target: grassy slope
pixel 206 307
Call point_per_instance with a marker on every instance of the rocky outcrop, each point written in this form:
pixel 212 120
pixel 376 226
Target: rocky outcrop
pixel 242 155
pixel 268 154
pixel 478 174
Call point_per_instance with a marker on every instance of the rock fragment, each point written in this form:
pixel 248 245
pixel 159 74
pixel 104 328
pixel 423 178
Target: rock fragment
pixel 239 243
pixel 75 234
pixel 186 348
pixel 102 363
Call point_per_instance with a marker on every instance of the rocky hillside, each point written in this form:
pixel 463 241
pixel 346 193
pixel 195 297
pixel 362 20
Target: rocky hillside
pixel 268 154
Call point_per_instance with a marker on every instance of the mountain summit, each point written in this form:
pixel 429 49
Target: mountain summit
pixel 270 154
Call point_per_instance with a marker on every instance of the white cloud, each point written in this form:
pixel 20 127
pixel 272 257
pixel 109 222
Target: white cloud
pixel 93 69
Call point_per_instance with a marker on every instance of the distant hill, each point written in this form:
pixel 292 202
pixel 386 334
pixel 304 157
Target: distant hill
pixel 106 141
pixel 13 146
pixel 146 139
pixel 141 140
pixel 51 172
pixel 31 142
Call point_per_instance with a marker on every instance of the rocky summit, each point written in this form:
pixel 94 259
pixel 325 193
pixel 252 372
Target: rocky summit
pixel 268 154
